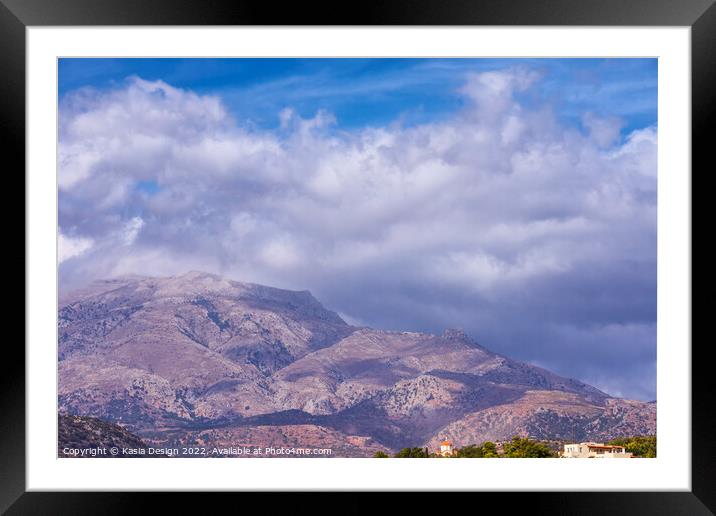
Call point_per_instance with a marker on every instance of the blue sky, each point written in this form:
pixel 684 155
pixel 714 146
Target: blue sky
pixel 370 92
pixel 513 198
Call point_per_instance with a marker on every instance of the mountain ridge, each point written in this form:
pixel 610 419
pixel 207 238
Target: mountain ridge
pixel 182 354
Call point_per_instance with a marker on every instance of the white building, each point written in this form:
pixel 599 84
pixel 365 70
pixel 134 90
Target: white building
pixel 595 451
pixel 446 449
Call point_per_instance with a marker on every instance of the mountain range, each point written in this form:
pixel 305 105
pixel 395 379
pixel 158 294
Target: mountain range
pixel 201 359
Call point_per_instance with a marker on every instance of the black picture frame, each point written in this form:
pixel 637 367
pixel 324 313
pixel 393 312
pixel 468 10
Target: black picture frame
pixel 17 15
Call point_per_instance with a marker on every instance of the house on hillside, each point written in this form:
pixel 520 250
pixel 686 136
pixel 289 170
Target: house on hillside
pixel 446 449
pixel 592 450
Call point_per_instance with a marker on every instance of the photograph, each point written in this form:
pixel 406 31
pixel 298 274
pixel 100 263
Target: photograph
pixel 357 257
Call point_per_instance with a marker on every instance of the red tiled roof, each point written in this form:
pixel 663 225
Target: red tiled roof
pixel 605 446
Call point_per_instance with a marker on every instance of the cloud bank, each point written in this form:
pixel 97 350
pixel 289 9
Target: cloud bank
pixel 537 238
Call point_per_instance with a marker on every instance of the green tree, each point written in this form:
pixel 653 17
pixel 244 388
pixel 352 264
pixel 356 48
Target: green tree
pixel 472 451
pixel 489 450
pixel 484 451
pixel 407 453
pixel 639 445
pixel 380 455
pixel 521 447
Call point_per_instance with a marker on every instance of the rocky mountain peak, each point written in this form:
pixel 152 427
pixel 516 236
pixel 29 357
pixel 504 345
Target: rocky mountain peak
pixel 456 334
pixel 198 351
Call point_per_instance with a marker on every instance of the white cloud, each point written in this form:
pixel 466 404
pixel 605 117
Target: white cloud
pixel 518 195
pixel 132 229
pixel 280 253
pixel 68 247
pixel 455 188
pixel 494 201
pixel 604 131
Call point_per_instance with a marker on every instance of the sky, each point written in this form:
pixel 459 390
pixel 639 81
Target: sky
pixel 512 198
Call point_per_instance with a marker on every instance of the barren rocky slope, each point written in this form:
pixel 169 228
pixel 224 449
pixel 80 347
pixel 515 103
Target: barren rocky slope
pixel 197 355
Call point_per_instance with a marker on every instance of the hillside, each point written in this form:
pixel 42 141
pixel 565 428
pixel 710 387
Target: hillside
pixel 198 356
pixel 88 433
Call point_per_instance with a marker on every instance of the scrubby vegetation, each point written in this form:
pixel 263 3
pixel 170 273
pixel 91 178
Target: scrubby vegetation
pixel 518 447
pixel 413 453
pixel 84 432
pixel 640 446
pixel 486 450
pixel 526 448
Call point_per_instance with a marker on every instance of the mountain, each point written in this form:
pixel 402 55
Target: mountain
pixel 89 433
pixel 198 358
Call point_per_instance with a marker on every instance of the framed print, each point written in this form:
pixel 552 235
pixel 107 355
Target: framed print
pixel 265 250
